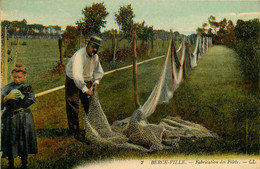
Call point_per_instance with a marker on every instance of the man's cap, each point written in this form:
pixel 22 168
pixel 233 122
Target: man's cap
pixel 96 40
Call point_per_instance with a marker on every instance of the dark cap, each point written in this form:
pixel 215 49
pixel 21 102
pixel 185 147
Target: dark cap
pixel 96 40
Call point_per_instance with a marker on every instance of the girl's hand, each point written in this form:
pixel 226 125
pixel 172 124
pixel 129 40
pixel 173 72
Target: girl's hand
pixel 14 95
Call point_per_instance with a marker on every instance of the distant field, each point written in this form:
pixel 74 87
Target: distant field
pixel 40 56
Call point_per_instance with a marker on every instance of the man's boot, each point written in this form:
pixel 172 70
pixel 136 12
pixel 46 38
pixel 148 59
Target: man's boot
pixel 24 162
pixel 11 162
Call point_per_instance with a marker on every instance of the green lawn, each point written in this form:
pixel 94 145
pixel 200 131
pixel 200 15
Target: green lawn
pixel 212 94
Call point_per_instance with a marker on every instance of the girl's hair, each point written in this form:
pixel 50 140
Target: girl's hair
pixel 19 68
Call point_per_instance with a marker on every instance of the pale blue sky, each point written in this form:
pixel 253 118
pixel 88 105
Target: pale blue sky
pixel 180 15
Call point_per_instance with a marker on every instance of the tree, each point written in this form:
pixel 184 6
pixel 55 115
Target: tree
pixel 210 33
pixel 141 31
pixel 69 37
pixel 112 34
pixel 213 23
pixel 94 19
pixel 199 31
pixel 124 19
pixel 247 47
pixel 205 30
pixel 230 26
pixel 176 34
pixel 151 34
pixel 246 30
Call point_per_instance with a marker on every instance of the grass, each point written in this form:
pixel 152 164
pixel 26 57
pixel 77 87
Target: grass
pixel 212 94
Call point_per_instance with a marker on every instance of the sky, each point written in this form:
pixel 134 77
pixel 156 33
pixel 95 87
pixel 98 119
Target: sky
pixel 184 16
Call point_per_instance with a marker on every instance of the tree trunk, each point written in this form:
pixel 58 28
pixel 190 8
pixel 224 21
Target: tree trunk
pixel 137 103
pixel 60 49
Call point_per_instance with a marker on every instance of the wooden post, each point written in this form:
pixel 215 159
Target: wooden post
pixel 172 54
pixel 163 43
pixel 80 43
pixel 5 64
pixel 60 49
pixel 152 42
pixel 114 47
pixel 187 56
pixel 246 133
pixel 2 100
pixel 149 45
pixel 17 51
pixel 137 103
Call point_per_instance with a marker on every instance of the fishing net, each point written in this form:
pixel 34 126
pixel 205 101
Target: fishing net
pixel 135 132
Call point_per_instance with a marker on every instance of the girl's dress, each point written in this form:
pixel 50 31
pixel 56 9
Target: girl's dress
pixel 18 136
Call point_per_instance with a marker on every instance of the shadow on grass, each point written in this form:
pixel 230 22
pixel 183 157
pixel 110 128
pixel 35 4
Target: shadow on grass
pixel 53 132
pixel 61 132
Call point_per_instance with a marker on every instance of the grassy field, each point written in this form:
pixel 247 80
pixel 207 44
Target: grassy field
pixel 41 55
pixel 212 95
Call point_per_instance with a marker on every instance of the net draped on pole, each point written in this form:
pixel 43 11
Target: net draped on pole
pixel 135 132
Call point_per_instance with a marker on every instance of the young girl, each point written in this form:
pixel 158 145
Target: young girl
pixel 18 134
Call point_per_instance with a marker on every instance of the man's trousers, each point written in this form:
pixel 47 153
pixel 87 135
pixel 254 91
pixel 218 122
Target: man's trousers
pixel 72 97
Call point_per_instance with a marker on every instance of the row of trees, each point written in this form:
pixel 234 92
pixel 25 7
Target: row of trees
pixel 244 38
pixel 22 29
pixel 219 31
pixel 94 18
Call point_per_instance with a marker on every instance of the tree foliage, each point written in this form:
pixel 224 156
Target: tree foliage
pixel 69 37
pixel 222 31
pixel 246 30
pixel 213 23
pixel 94 19
pixel 124 18
pixel 247 46
pixel 143 31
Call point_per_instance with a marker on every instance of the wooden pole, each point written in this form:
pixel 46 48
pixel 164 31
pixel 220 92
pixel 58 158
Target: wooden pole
pixel 60 49
pixel 1 78
pixel 163 43
pixel 172 54
pixel 152 43
pixel 17 51
pixel 246 133
pixel 137 103
pixel 149 45
pixel 189 55
pixel 80 43
pixel 114 43
pixel 5 66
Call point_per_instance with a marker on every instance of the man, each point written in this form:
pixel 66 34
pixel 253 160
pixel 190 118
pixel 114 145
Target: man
pixel 83 73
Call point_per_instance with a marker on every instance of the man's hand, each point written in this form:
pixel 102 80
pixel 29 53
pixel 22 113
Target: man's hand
pixel 90 92
pixel 94 86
